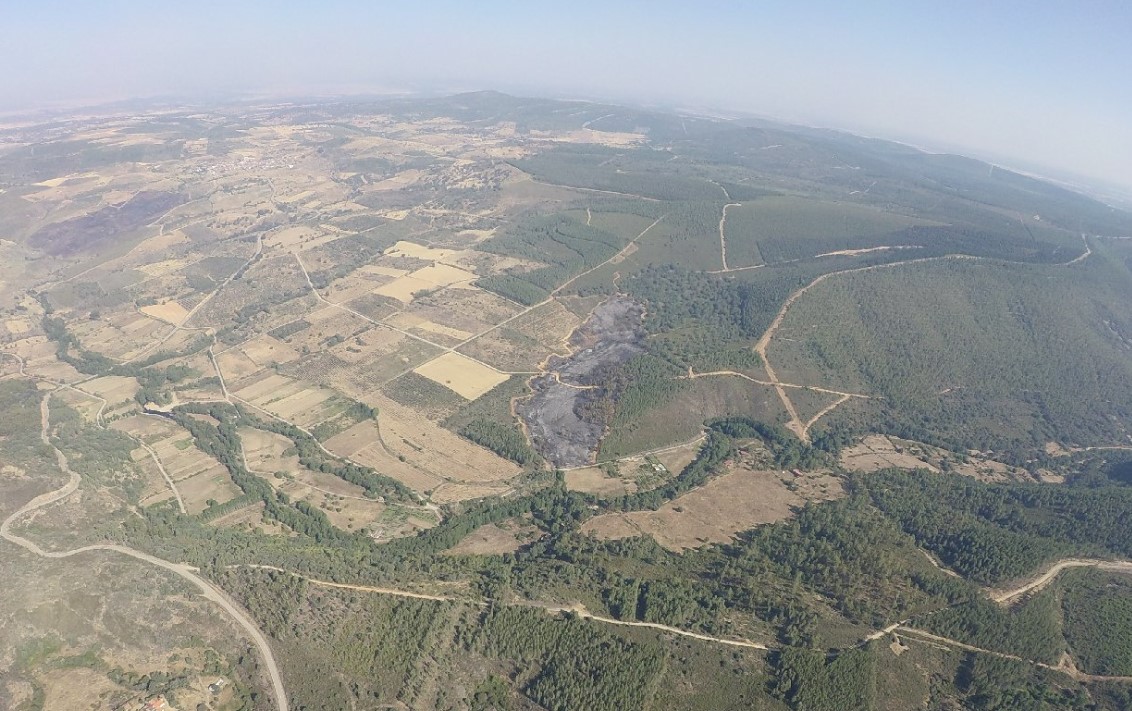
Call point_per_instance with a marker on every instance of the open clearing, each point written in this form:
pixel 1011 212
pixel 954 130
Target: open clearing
pixel 496 539
pixel 170 312
pixel 714 513
pixel 461 374
pixel 877 452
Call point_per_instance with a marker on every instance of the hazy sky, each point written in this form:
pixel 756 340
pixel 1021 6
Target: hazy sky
pixel 1041 82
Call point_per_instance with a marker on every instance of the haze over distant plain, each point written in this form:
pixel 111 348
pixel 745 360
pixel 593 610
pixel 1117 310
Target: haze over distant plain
pixel 1026 83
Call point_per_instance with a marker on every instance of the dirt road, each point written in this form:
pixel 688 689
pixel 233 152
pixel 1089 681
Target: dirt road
pixel 722 235
pixel 1116 566
pixel 581 611
pixel 209 591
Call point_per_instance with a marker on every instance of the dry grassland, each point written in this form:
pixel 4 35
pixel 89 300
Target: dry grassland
pixel 470 310
pixel 161 268
pixel 450 493
pixel 263 451
pixel 251 518
pixel 461 374
pixel 154 489
pixel 403 288
pixel 170 312
pixel 236 366
pixel 378 270
pixel 86 406
pixel 199 489
pixel 362 444
pixel 436 450
pixel 17 326
pixel 120 335
pixel 198 476
pixel 444 335
pixel 114 389
pixel 506 349
pixel 405 248
pixel 265 350
pixel 550 324
pixel 587 135
pixel 592 480
pixel 496 539
pixel 876 452
pixel 714 513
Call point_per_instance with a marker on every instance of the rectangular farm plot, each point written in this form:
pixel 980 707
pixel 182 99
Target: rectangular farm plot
pixel 292 400
pixel 207 486
pixel 443 335
pixel 464 376
pixel 434 450
pixel 169 312
pixel 430 278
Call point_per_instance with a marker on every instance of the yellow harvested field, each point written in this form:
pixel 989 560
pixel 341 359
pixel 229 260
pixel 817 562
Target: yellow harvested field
pixel 403 288
pixel 404 248
pixel 461 374
pixel 113 388
pixel 17 326
pixel 443 275
pixel 739 500
pixel 170 312
pixel 592 480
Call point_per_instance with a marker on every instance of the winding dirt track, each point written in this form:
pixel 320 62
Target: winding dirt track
pixel 1116 566
pixel 795 424
pixel 187 572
